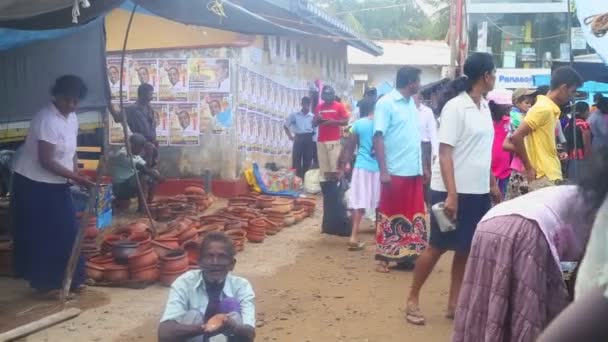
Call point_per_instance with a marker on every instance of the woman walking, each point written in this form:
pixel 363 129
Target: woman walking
pixel 45 220
pixel 499 101
pixel 365 184
pixel 461 176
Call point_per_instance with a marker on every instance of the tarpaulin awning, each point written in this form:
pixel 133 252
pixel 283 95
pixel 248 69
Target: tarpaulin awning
pixel 586 11
pixel 590 67
pixel 28 72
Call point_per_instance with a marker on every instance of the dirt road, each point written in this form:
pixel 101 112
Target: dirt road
pixel 309 288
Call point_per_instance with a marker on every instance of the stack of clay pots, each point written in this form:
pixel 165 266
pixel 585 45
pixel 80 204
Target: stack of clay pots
pixel 173 265
pixel 308 203
pixel 89 243
pixel 238 237
pixel 256 230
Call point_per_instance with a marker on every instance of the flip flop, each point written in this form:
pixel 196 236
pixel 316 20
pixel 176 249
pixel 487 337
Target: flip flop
pixel 356 246
pixel 382 267
pixel 413 315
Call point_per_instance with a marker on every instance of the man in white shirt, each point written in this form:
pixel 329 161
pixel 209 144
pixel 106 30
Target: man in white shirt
pixel 428 136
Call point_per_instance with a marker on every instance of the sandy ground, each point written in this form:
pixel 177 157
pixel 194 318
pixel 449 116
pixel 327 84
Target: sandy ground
pixel 309 288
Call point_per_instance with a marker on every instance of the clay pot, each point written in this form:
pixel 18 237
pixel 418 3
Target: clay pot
pixel 174 261
pixel 169 242
pixel 89 251
pixel 214 227
pixel 231 225
pixel 264 201
pixel 149 273
pixel 122 250
pixel 236 234
pixel 168 277
pixel 282 205
pixel 91 232
pixel 162 249
pixel 187 234
pixel 94 271
pixel 138 227
pixel 102 260
pixel 195 190
pixel 209 219
pixel 193 249
pixel 143 241
pixel 256 237
pixel 142 259
pixel 116 273
pixel 109 241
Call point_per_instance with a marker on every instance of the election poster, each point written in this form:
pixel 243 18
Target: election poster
pixel 113 65
pixel 184 124
pixel 209 74
pixel 216 113
pixel 173 80
pixel 161 119
pixel 142 71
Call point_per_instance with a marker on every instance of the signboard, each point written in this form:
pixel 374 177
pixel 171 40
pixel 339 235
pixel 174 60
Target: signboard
pixel 577 38
pixel 518 78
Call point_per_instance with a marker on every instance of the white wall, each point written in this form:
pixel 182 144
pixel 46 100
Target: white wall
pixel 378 74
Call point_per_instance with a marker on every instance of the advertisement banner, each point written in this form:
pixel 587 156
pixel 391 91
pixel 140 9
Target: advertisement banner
pixel 142 71
pixel 184 129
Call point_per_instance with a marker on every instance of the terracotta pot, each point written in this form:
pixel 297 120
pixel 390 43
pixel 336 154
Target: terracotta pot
pixel 168 277
pixel 102 260
pixel 138 227
pixel 264 201
pixel 174 261
pixel 170 242
pixel 94 271
pixel 162 249
pixel 143 259
pixel 89 252
pixel 256 237
pixel 209 219
pixel 236 234
pixel 289 219
pixel 143 241
pixel 283 205
pixel 192 249
pixel 122 250
pixel 214 227
pixel 231 225
pixel 116 273
pixel 149 273
pixel 91 231
pixel 187 234
pixel 195 190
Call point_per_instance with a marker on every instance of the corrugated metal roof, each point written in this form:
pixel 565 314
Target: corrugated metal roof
pixel 404 52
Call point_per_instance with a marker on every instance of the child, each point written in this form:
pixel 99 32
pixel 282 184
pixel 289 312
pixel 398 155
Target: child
pixel 522 102
pixel 583 133
pixel 500 106
pixel 365 186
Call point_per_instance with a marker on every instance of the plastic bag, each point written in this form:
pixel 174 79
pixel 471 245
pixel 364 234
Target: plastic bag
pixel 312 184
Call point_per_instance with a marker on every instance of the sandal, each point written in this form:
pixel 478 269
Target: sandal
pixel 413 315
pixel 356 246
pixel 382 267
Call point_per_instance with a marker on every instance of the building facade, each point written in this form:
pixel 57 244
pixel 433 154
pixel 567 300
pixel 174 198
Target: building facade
pixel 523 35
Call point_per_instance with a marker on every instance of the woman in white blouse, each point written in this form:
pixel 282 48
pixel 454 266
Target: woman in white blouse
pixel 44 217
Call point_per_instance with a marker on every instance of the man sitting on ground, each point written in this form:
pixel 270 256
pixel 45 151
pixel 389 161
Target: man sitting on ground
pixel 210 305
pixel 124 182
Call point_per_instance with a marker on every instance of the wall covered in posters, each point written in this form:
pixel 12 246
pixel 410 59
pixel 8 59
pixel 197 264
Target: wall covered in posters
pixel 221 109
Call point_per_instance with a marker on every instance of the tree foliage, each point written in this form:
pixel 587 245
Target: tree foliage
pixel 392 19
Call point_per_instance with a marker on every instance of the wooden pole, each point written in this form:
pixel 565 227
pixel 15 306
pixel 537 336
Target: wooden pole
pixel 123 119
pixel 40 324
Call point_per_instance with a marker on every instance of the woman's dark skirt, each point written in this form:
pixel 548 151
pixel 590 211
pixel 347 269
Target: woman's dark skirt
pixel 45 228
pixel 471 209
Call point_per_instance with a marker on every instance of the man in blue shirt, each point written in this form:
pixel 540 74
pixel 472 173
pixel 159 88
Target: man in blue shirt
pixel 401 223
pixel 298 127
pixel 210 305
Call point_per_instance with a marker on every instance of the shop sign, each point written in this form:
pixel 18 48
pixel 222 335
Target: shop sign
pixel 518 78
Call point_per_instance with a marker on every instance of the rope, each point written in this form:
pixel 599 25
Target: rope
pixel 217 7
pixel 598 23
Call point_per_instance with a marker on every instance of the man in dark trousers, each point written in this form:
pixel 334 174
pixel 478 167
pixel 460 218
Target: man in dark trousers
pixel 299 129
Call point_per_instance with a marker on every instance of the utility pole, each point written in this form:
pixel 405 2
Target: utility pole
pixel 452 34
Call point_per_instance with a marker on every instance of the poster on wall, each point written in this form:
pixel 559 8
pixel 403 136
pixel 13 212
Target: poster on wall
pixel 216 113
pixel 115 133
pixel 142 71
pixel 161 117
pixel 243 86
pixel 113 65
pixel 173 80
pixel 254 95
pixel 241 124
pixel 251 129
pixel 209 74
pixel 184 129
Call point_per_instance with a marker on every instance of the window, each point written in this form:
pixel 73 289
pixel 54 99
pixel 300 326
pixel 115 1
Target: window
pixel 278 46
pixel 520 40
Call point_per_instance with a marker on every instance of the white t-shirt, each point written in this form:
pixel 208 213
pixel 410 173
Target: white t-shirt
pixel 470 131
pixel 428 127
pixel 51 126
